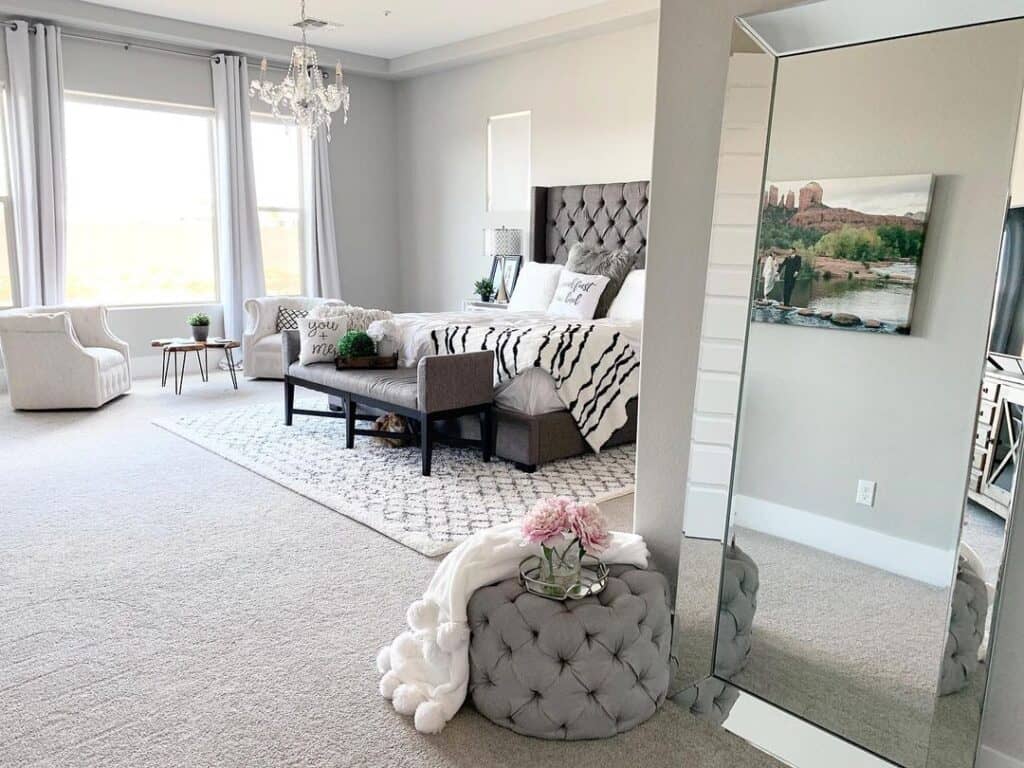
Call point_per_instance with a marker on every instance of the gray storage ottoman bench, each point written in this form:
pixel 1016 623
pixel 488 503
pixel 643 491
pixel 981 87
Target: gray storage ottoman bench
pixel 439 388
pixel 579 669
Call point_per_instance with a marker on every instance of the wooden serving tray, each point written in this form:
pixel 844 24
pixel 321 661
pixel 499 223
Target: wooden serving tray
pixel 374 361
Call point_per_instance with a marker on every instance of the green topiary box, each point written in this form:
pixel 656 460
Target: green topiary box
pixel 371 361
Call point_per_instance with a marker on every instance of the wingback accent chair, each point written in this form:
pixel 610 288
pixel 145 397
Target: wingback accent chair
pixel 261 343
pixel 62 357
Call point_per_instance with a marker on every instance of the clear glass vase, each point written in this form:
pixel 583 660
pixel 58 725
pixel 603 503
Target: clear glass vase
pixel 560 568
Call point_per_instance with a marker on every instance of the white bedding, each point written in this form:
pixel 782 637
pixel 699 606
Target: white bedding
pixel 533 391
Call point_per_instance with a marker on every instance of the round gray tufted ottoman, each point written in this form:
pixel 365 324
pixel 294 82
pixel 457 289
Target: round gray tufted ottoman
pixel 582 669
pixel 738 604
pixel 967 622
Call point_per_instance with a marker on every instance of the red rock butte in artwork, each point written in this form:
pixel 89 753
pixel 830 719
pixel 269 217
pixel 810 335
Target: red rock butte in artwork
pixel 813 213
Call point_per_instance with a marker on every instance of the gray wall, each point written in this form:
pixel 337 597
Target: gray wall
pixel 136 73
pixel 592 105
pixel 365 175
pixel 691 89
pixel 824 408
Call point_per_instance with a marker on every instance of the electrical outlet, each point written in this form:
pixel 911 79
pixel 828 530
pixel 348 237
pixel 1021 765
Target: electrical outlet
pixel 866 493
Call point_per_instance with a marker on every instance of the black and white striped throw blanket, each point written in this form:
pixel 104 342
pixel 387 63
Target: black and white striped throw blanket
pixel 595 370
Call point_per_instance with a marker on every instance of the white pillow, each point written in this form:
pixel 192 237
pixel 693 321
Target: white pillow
pixel 629 304
pixel 330 308
pixel 576 295
pixel 318 338
pixel 535 287
pixel 357 318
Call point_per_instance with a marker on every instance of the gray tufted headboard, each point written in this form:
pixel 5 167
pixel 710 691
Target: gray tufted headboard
pixel 608 215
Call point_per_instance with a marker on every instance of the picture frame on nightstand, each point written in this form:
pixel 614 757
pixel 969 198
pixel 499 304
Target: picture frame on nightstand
pixel 510 271
pixel 505 269
pixel 496 270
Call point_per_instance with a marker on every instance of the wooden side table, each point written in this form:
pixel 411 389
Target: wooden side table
pixel 171 348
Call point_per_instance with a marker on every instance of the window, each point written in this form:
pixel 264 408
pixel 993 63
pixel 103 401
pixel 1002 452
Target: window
pixel 508 162
pixel 140 203
pixel 277 157
pixel 6 222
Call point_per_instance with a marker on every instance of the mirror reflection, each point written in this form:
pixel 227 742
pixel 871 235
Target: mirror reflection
pixel 858 580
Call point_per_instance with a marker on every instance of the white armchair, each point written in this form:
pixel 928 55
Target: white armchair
pixel 62 357
pixel 261 343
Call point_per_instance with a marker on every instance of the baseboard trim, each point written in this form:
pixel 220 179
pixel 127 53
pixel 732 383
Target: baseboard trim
pixel 920 562
pixel 993 758
pixel 616 494
pixel 149 367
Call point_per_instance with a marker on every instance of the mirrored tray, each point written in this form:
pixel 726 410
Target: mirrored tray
pixel 592 580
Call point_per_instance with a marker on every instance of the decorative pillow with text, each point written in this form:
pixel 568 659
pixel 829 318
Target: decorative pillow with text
pixel 318 338
pixel 577 295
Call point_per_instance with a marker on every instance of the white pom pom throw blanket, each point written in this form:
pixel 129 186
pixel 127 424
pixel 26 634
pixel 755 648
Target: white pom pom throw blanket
pixel 426 669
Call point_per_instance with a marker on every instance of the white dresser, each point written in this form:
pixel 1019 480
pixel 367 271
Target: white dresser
pixel 998 436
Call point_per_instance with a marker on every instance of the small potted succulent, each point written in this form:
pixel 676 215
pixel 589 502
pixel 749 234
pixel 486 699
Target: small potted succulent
pixel 356 344
pixel 200 322
pixel 484 288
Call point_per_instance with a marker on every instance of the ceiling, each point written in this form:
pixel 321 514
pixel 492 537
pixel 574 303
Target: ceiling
pixel 411 26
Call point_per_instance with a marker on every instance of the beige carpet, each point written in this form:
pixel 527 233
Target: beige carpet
pixel 160 606
pixel 856 650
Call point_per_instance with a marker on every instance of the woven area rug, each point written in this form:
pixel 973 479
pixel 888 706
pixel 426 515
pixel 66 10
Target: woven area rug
pixel 382 487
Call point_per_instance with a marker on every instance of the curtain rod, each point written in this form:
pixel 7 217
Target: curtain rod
pixel 127 44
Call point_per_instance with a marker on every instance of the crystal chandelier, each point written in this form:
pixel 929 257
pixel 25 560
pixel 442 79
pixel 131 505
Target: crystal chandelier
pixel 302 94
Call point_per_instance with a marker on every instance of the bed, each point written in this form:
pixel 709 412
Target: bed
pixel 532 424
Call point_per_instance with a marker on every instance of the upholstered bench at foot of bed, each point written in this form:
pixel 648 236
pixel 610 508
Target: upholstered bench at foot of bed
pixel 580 669
pixel 439 388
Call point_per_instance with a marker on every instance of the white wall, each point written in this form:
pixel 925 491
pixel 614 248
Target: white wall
pixel 592 112
pixel 691 91
pixel 723 328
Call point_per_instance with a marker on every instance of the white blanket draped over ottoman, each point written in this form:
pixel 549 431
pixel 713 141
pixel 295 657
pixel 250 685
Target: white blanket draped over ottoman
pixel 426 668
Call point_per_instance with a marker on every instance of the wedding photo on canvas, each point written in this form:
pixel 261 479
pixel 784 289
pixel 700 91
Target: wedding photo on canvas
pixel 841 253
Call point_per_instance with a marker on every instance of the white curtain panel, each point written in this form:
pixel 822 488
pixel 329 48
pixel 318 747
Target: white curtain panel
pixel 36 127
pixel 241 257
pixel 322 272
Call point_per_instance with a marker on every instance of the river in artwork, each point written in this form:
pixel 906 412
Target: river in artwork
pixel 887 301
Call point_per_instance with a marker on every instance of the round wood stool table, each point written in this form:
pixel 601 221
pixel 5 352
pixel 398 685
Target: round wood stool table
pixel 171 348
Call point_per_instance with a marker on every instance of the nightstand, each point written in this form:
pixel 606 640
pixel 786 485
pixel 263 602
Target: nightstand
pixel 475 305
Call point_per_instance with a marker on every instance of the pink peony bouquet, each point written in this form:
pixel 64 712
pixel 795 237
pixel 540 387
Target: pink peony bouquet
pixel 561 520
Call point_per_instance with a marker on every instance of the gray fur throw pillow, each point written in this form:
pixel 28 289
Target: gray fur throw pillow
pixel 593 260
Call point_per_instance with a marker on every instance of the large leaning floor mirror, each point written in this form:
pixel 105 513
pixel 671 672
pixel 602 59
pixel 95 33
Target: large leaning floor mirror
pixel 882 390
